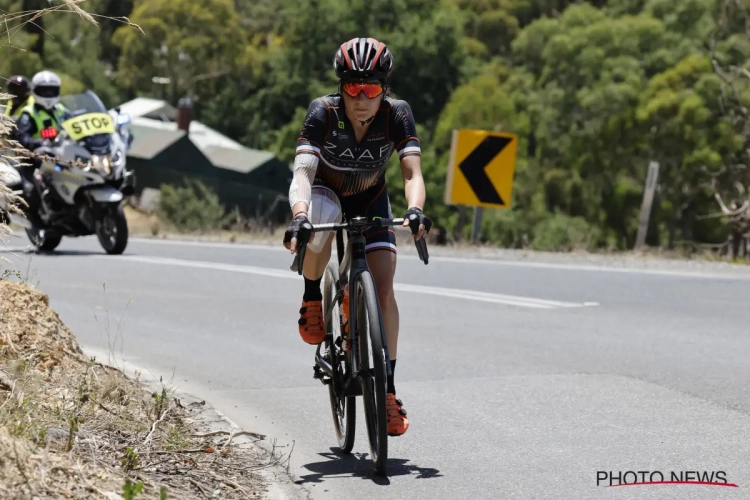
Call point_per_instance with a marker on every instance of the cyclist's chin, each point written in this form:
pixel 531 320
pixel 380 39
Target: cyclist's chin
pixel 363 115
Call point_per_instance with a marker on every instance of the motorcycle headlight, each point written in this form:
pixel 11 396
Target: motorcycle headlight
pixel 101 163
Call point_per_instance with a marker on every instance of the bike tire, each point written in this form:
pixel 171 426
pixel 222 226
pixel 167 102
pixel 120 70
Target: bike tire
pixel 343 409
pixel 370 331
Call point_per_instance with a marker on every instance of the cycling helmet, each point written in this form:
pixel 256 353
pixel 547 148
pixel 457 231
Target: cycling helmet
pixel 17 85
pixel 363 59
pixel 45 87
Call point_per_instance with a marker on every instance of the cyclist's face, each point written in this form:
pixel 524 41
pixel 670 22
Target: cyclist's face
pixel 362 107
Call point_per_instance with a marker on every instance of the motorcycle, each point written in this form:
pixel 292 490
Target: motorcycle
pixel 83 178
pixel 13 181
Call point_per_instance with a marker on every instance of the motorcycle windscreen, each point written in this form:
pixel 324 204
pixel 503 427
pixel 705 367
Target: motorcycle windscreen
pixel 80 127
pixel 9 175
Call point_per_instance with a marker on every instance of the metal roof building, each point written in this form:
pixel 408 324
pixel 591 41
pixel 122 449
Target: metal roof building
pixel 169 146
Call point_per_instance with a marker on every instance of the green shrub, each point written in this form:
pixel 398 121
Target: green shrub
pixel 506 228
pixel 194 207
pixel 562 233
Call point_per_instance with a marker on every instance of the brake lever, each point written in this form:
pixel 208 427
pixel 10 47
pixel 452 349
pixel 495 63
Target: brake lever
pixel 421 243
pixel 422 250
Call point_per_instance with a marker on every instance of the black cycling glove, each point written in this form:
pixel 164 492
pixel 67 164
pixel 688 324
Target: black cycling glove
pixel 293 231
pixel 415 216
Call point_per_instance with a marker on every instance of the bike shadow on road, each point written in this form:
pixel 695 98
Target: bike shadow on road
pixel 360 465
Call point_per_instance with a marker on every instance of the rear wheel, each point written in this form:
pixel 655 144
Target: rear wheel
pixel 372 370
pixel 43 239
pixel 343 409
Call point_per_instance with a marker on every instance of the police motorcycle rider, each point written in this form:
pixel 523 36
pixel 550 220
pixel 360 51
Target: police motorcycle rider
pixel 37 126
pixel 18 86
pixel 342 152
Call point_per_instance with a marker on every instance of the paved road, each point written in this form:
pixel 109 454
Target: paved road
pixel 521 380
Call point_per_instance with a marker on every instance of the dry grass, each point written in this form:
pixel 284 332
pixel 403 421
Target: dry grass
pixel 71 427
pixel 14 21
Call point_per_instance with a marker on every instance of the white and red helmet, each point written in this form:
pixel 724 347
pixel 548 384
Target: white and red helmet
pixel 362 59
pixel 45 87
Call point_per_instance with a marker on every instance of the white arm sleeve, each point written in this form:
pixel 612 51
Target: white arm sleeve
pixel 305 165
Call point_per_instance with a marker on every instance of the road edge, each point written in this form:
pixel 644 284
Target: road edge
pixel 280 482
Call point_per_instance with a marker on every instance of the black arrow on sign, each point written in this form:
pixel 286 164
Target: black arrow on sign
pixel 474 164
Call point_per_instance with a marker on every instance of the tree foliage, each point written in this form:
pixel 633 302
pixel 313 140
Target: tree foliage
pixel 594 90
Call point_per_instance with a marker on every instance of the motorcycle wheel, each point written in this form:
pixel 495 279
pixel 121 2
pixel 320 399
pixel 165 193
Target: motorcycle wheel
pixel 112 230
pixel 43 240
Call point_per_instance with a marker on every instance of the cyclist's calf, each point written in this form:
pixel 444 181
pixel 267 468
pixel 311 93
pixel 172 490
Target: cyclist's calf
pixel 315 262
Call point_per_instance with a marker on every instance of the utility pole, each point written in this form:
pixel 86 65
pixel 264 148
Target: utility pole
pixel 648 199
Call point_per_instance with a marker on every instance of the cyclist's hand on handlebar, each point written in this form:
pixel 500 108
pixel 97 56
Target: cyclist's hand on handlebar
pixel 292 233
pixel 418 222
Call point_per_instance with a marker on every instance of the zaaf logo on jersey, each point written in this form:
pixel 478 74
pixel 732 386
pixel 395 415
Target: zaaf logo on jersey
pixel 366 154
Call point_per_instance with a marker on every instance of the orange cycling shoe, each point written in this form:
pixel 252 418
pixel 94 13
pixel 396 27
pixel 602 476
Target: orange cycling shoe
pixel 311 327
pixel 397 421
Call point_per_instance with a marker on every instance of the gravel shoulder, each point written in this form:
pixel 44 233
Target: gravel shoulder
pixel 75 425
pixel 651 259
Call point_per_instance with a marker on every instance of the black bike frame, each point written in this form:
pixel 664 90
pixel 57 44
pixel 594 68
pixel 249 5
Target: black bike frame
pixel 352 263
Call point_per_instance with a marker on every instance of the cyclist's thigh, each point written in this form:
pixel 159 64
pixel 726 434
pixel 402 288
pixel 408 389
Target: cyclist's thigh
pixel 380 246
pixel 373 203
pixel 325 208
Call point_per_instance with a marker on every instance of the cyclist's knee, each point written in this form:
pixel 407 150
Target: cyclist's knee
pixel 325 208
pixel 320 244
pixel 382 264
pixel 385 294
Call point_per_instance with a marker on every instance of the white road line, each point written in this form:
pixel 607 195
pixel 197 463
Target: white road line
pixel 496 298
pixel 513 300
pixel 488 261
pixel 590 267
pixel 210 244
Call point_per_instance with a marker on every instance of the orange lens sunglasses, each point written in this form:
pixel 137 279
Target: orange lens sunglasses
pixel 371 90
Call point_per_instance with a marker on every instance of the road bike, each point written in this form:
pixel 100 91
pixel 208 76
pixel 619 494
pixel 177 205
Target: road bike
pixel 345 366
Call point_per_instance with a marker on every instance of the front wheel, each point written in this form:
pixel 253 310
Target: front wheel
pixel 112 230
pixel 343 408
pixel 372 372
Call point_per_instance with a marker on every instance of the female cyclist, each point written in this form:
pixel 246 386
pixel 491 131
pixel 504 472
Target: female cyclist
pixel 342 152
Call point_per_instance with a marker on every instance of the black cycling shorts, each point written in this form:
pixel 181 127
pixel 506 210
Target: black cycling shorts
pixel 373 202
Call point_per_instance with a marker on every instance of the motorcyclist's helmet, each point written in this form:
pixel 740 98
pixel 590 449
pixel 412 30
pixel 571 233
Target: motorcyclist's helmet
pixel 18 85
pixel 45 87
pixel 362 59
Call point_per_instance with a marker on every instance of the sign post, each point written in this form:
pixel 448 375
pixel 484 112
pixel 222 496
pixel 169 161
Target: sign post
pixel 648 199
pixel 480 172
pixel 476 227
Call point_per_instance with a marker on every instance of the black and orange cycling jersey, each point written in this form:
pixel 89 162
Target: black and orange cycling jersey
pixel 344 166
